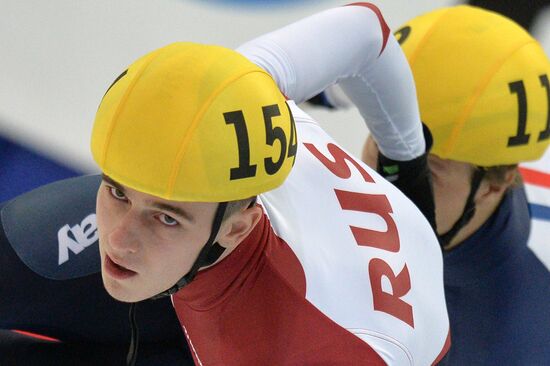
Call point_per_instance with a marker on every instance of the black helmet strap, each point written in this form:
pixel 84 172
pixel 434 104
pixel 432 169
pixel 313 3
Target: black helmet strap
pixel 209 254
pixel 467 213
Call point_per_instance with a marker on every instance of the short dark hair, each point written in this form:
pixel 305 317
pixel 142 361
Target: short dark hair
pixel 237 205
pixel 497 174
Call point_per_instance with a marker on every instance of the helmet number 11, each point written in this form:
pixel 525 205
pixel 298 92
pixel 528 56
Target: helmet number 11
pixel 521 137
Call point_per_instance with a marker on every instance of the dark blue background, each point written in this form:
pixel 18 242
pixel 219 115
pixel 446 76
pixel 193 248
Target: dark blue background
pixel 22 170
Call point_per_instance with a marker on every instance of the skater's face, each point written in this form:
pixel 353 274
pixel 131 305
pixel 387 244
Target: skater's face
pixel 147 243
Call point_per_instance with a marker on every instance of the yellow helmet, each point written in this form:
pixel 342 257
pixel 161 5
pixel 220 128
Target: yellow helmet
pixel 192 122
pixel 482 85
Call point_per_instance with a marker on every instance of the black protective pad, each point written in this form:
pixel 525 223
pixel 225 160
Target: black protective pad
pixel 522 12
pixel 53 228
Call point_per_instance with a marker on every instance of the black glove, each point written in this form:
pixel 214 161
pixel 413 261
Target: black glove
pixel 413 178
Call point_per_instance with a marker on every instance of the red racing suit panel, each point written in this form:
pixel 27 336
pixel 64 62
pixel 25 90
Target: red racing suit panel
pixel 251 310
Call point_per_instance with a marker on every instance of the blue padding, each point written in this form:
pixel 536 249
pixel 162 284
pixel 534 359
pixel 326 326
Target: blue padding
pixel 22 170
pixel 53 228
pixel 539 212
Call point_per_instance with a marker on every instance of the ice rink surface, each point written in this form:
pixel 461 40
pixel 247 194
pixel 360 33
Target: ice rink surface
pixel 59 57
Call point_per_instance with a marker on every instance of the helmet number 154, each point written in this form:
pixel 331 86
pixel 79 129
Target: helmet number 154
pixel 272 134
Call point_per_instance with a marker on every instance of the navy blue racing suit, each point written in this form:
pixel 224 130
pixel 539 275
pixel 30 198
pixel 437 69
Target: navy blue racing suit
pixel 50 284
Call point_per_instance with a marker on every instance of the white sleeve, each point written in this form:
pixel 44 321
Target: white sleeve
pixel 352 46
